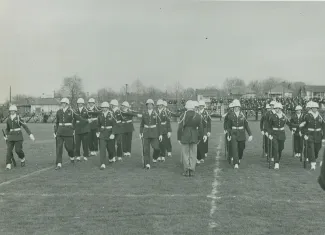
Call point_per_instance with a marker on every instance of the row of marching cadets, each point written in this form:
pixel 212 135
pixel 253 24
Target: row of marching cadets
pixel 85 127
pixel 308 128
pixel 235 128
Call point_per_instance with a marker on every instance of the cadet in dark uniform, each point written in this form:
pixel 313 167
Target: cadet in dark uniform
pixel 189 129
pixel 128 127
pixel 225 123
pixel 206 120
pixel 118 129
pixel 169 146
pixel 106 123
pixel 64 132
pixel 165 129
pixel 236 126
pixel 295 121
pixel 150 133
pixel 14 136
pixel 82 130
pixel 263 127
pixel 276 132
pixel 314 133
pixel 93 113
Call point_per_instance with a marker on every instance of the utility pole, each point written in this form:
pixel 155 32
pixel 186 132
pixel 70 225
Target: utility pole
pixel 126 92
pixel 10 95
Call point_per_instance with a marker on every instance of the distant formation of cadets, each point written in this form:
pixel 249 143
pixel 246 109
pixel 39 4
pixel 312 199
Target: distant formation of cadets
pixel 111 128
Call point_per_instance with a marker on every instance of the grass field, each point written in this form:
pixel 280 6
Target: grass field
pixel 126 199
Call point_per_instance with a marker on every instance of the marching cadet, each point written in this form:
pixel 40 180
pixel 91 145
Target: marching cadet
pixel 165 129
pixel 150 133
pixel 128 127
pixel 14 137
pixel 263 128
pixel 169 146
pixel 276 132
pixel 314 133
pixel 295 121
pixel 82 130
pixel 118 129
pixel 206 120
pixel 236 126
pixel 93 112
pixel 225 123
pixel 189 129
pixel 106 123
pixel 64 131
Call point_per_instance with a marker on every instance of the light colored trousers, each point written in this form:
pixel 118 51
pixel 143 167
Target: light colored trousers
pixel 188 157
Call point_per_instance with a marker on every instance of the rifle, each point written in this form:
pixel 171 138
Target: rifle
pixel 13 161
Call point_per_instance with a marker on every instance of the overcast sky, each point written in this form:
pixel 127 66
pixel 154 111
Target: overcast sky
pixel 111 43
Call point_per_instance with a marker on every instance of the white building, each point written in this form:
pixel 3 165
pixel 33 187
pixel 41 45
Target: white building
pixel 44 105
pixel 315 91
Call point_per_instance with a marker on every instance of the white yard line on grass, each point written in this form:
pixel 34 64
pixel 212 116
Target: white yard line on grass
pixel 29 174
pixel 213 195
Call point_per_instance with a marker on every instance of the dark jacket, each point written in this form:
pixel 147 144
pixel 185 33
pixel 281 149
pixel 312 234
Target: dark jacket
pixel 150 125
pixel 276 126
pixel 164 122
pixel 236 126
pixel 106 125
pixel 190 128
pixel 311 124
pixel 82 127
pixel 16 123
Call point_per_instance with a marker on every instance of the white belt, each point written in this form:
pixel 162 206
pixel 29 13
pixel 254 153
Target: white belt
pixel 78 121
pixel 294 129
pixel 238 128
pixel 118 121
pixel 152 126
pixel 93 119
pixel 106 127
pixel 128 121
pixel 312 129
pixel 65 124
pixel 16 129
pixel 163 123
pixel 278 129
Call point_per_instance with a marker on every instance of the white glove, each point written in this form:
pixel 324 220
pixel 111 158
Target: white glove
pixel 270 137
pixel 112 136
pixel 141 135
pixel 225 132
pixel 306 137
pixel 139 115
pixel 5 138
pixel 169 134
pixel 250 138
pixel 31 136
pixel 302 124
pixel 323 140
pixel 97 134
pixel 179 142
pixel 263 133
pixel 205 138
pixel 208 134
pixel 160 138
pixel 90 120
pixel 229 138
pixel 54 135
pixel 300 133
pixel 267 134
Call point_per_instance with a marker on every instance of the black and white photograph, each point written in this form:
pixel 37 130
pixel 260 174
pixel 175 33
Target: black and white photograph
pixel 160 117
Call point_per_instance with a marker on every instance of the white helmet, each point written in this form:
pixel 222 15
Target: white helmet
pixel 165 103
pixel 80 101
pixel 236 103
pixel 273 102
pixel 278 106
pixel 196 104
pixel 231 105
pixel 189 105
pixel 65 100
pixel 268 106
pixel 13 108
pixel 298 108
pixel 114 102
pixel 91 100
pixel 150 101
pixel 314 105
pixel 160 102
pixel 126 104
pixel 201 103
pixel 104 105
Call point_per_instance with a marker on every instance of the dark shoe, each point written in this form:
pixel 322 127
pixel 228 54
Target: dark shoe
pixel 57 168
pixel 72 161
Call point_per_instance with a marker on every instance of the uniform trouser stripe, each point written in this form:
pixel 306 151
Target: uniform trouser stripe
pixel 237 150
pixel 298 143
pixel 106 145
pixel 277 148
pixel 18 145
pixel 154 143
pixel 312 150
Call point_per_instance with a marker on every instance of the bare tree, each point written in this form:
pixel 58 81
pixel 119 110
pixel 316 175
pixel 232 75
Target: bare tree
pixel 72 88
pixel 105 94
pixel 233 83
pixel 270 83
pixel 188 94
pixel 256 86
